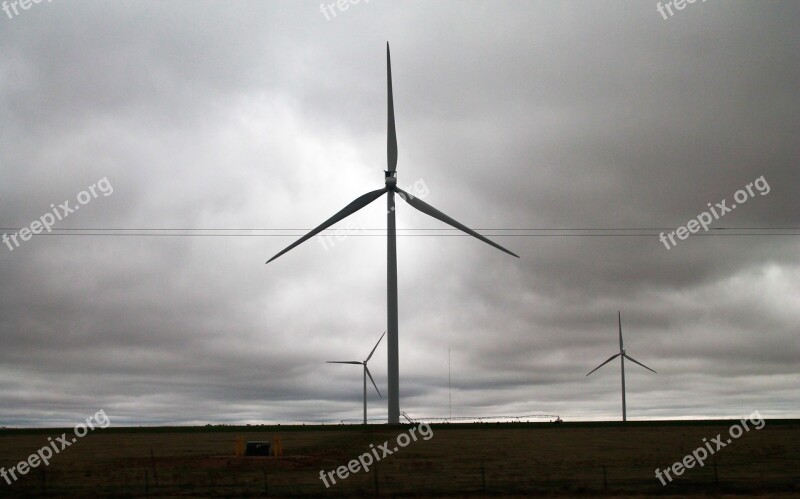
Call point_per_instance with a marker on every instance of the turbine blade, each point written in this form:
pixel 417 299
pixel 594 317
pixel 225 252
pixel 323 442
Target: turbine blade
pixel 634 360
pixel 619 316
pixel 433 212
pixel 391 138
pixel 343 362
pixel 373 381
pixel 604 363
pixel 348 210
pixel 375 347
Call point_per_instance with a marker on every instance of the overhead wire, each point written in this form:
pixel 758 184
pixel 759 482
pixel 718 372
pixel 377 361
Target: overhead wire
pixel 375 232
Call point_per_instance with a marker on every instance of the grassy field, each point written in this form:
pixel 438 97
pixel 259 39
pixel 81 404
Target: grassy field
pixel 457 460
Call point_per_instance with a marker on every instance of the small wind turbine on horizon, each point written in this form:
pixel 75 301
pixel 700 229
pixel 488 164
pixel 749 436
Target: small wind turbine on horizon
pixel 366 373
pixel 622 356
pixel 393 361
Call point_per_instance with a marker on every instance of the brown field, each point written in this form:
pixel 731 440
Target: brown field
pixel 471 460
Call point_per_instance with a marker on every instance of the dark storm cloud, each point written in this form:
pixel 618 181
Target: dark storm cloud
pixel 513 114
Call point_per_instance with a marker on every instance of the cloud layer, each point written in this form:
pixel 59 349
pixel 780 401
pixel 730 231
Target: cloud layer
pixel 514 115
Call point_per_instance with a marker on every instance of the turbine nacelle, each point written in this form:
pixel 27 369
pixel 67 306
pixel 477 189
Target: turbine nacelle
pixel 391 179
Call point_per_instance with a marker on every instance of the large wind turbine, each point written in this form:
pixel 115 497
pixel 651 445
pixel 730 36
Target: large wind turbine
pixel 366 373
pixel 622 356
pixel 391 253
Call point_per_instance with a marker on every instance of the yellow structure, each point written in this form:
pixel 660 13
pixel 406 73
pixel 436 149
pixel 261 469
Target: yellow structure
pixel 239 446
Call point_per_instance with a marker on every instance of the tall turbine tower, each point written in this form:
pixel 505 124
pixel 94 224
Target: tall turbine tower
pixel 622 356
pixel 390 176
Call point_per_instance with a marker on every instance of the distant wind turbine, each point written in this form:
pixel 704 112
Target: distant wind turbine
pixel 391 253
pixel 366 373
pixel 622 356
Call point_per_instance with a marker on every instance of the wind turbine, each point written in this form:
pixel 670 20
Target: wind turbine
pixel 622 356
pixel 366 373
pixel 391 252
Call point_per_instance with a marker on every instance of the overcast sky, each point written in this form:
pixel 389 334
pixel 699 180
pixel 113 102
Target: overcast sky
pixel 519 115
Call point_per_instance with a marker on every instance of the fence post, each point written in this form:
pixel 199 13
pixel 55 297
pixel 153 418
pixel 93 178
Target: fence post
pixel 377 490
pixel 483 475
pixel 44 481
pixel 716 475
pixel 153 466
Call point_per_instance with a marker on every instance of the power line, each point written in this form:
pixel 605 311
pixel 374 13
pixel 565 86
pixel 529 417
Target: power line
pixel 441 232
pixel 442 229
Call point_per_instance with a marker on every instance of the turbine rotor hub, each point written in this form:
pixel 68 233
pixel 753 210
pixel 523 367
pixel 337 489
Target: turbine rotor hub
pixel 391 178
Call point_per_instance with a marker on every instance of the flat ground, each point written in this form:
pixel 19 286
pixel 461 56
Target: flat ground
pixel 458 460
